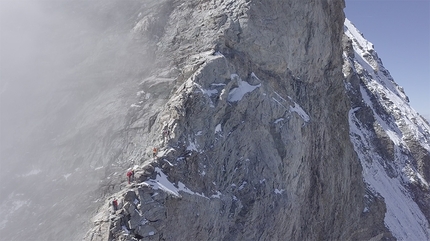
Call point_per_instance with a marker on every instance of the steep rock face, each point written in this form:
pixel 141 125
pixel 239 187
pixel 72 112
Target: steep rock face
pixel 253 141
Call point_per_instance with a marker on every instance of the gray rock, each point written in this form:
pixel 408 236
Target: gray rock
pixel 132 209
pixel 145 195
pixel 146 231
pixel 135 221
pixel 259 142
pixel 156 213
pixel 159 197
pixel 130 196
pixel 127 207
pixel 148 206
pixel 115 226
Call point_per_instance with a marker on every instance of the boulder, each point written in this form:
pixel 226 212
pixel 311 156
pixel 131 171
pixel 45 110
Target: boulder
pixel 155 213
pixel 146 231
pixel 130 196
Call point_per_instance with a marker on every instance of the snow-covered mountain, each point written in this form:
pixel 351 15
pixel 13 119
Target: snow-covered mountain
pixel 391 139
pixel 272 120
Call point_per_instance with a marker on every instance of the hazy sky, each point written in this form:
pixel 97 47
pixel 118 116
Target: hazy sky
pixel 400 32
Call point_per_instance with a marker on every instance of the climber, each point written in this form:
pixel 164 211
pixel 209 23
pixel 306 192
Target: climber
pixel 115 205
pixel 130 175
pixel 154 152
pixel 166 133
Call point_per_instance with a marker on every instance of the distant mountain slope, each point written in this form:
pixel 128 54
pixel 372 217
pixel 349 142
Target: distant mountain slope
pixel 391 139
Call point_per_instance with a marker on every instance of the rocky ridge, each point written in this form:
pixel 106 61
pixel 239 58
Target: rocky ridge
pixel 267 132
pixel 254 139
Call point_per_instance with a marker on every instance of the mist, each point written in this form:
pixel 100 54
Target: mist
pixel 69 70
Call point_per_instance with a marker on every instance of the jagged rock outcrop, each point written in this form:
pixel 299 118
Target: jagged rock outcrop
pixel 254 139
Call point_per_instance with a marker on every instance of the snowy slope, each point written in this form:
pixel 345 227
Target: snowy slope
pixel 396 123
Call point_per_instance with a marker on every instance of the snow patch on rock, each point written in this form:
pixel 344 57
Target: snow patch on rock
pixel 244 87
pixel 162 182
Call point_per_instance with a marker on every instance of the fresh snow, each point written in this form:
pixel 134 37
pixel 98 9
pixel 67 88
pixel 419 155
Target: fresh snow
pixel 192 147
pixel 161 182
pixel 125 230
pixel 209 92
pixel 244 87
pixel 367 61
pixel 217 53
pixel 403 218
pixel 242 186
pixel 217 195
pixel 164 152
pixel 278 120
pixel 394 135
pixel 300 111
pixel 358 36
pixel 217 84
pixel 254 76
pixel 218 128
pixel 296 108
pixel 277 191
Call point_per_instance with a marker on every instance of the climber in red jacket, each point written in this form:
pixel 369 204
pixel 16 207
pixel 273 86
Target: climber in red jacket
pixel 115 205
pixel 130 174
pixel 154 152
